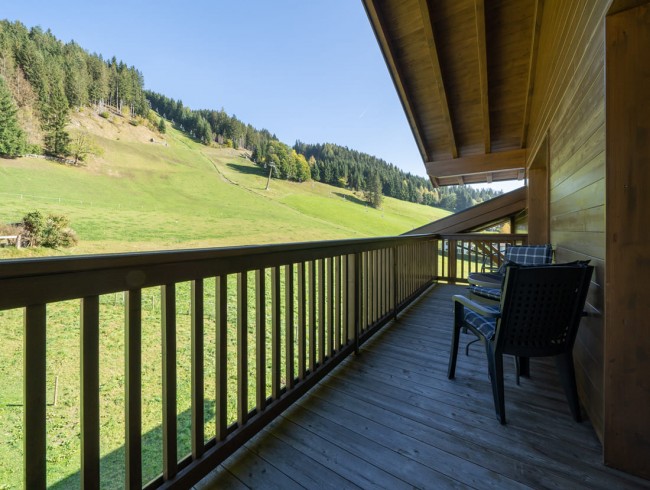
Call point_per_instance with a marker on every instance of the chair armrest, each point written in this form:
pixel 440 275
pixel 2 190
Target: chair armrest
pixel 476 307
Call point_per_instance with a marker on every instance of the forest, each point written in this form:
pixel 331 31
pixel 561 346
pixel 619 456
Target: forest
pixel 42 79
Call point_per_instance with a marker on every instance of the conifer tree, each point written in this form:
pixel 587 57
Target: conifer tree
pixel 55 119
pixel 12 138
pixel 372 194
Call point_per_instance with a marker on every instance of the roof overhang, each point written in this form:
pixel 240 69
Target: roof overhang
pixel 464 71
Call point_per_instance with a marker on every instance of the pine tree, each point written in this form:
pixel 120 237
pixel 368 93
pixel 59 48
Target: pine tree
pixel 55 119
pixel 372 193
pixel 162 127
pixel 12 138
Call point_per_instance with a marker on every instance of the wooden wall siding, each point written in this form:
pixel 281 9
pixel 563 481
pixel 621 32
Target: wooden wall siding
pixel 568 106
pixel 627 338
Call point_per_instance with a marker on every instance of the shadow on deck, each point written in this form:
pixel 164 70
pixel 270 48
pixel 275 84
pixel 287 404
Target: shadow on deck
pixel 390 418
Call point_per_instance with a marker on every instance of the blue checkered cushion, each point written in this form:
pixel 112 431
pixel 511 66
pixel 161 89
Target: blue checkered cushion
pixel 527 255
pixel 489 293
pixel 487 326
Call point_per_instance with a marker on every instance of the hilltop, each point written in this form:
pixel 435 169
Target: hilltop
pixel 149 191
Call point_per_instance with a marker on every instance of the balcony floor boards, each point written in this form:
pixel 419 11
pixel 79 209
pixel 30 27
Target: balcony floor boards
pixel 390 418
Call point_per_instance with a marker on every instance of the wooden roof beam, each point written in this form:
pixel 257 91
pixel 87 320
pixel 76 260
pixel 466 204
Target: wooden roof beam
pixel 474 164
pixel 435 63
pixel 532 64
pixel 479 8
pixel 388 52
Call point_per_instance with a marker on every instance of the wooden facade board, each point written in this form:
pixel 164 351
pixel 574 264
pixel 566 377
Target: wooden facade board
pixel 627 336
pixel 590 172
pixel 591 243
pixel 565 255
pixel 567 104
pixel 592 219
pixel 593 145
pixel 590 196
pixel 564 45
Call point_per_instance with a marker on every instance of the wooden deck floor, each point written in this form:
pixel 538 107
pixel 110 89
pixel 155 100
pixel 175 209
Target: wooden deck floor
pixel 390 418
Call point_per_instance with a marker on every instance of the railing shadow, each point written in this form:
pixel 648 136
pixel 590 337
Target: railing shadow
pixel 112 465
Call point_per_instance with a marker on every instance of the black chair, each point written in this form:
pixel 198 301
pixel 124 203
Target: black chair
pixel 538 316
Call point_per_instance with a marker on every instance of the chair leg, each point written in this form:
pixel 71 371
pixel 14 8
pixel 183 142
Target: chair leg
pixel 564 363
pixel 455 339
pixel 495 365
pixel 522 367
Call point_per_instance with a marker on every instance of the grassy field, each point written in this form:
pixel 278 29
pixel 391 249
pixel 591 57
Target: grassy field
pixel 176 193
pixel 144 195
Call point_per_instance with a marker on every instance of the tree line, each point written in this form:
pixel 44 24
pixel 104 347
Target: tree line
pixel 339 166
pixel 39 72
pixel 43 74
pixel 212 126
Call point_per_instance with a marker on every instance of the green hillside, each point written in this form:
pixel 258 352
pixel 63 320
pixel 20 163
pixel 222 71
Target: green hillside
pixel 149 192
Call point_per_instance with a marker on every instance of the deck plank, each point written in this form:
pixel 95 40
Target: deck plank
pixel 390 418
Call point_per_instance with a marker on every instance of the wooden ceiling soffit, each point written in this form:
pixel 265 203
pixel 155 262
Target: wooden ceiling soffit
pixel 435 64
pixel 479 7
pixel 474 164
pixel 537 25
pixel 378 26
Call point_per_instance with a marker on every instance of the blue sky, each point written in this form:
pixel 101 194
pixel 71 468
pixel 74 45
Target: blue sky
pixel 308 70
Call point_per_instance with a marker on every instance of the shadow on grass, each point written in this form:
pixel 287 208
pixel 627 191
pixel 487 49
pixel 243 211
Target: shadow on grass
pixel 247 169
pixel 112 465
pixel 352 199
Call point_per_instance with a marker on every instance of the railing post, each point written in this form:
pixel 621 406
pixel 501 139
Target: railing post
pixel 133 387
pixel 358 307
pixel 434 270
pixel 276 332
pixel 242 348
pixel 34 394
pixel 350 297
pixel 197 369
pixel 393 282
pixel 90 392
pixel 221 357
pixel 169 425
pixel 452 260
pixel 260 331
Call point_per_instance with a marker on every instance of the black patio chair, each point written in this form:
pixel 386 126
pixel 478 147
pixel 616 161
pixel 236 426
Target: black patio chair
pixel 538 316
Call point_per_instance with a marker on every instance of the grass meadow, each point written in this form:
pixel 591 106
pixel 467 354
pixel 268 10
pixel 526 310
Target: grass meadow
pixel 142 195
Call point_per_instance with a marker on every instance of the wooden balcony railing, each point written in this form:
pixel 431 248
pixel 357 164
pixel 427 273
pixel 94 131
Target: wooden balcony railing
pixel 312 305
pixel 461 254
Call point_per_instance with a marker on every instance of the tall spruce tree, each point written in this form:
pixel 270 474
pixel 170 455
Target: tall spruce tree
pixel 55 119
pixel 372 193
pixel 12 138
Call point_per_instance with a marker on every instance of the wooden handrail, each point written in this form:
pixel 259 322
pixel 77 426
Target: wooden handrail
pixel 460 254
pixel 344 291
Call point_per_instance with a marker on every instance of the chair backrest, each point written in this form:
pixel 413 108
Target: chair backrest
pixel 529 254
pixel 541 308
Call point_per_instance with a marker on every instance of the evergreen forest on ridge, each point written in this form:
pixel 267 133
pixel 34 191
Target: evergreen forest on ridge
pixel 43 79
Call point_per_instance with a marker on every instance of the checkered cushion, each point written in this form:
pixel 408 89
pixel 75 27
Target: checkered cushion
pixel 487 326
pixel 489 293
pixel 528 255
